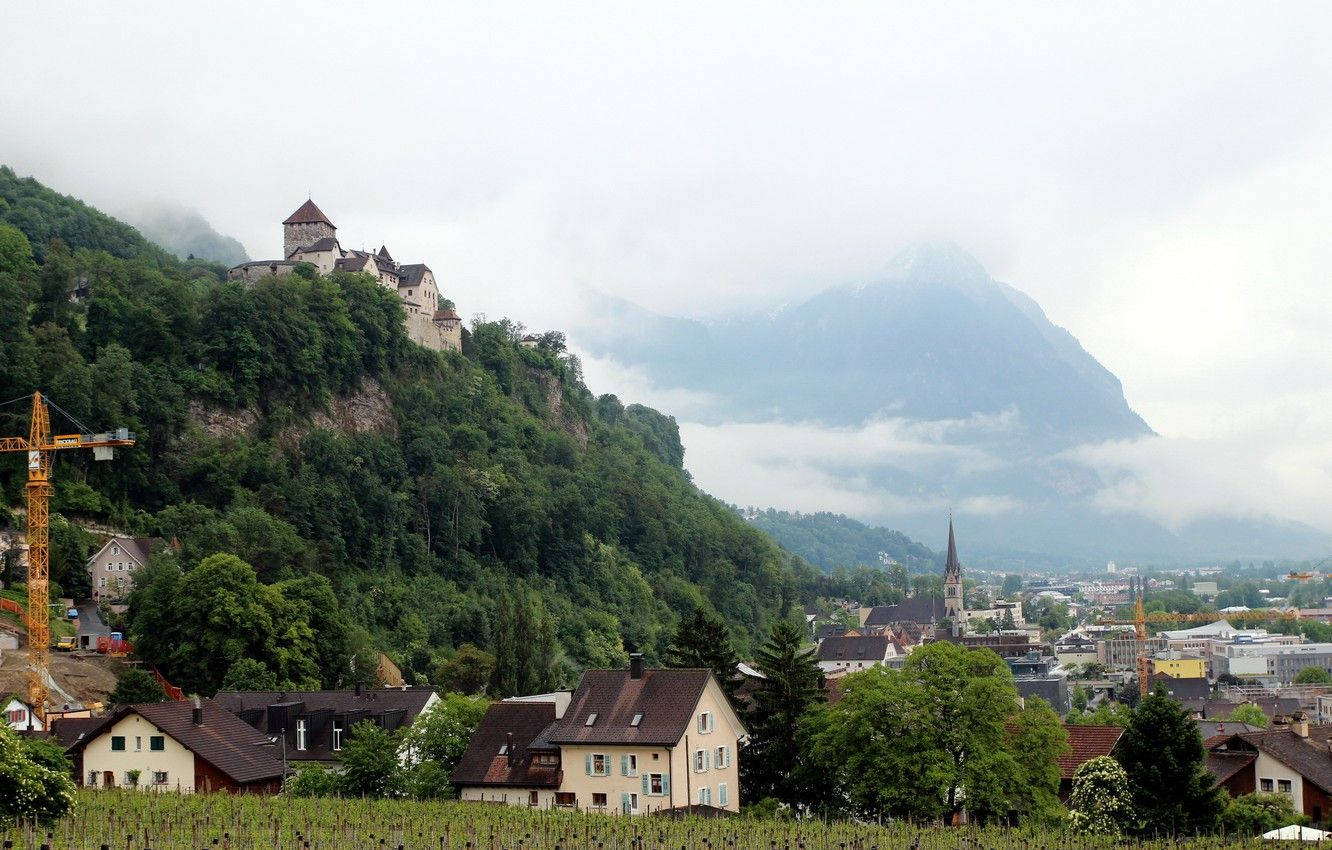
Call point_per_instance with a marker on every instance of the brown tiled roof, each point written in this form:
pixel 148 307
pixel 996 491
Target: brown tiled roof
pixel 665 698
pixel 446 313
pixel 1086 743
pixel 383 252
pixel 1214 708
pixel 68 730
pixel 861 648
pixel 223 740
pixel 1224 765
pixel 354 263
pixel 484 764
pixel 308 213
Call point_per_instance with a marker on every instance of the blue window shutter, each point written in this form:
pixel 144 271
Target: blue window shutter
pixel 721 794
pixel 587 763
pixel 624 765
pixel 665 784
pixel 647 789
pixel 624 803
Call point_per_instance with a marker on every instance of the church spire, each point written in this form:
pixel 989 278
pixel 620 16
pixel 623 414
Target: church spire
pixel 952 568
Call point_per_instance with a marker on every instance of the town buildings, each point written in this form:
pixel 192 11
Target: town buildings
pixel 309 236
pixel 630 741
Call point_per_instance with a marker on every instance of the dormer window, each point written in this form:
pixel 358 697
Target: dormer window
pixel 638 718
pixel 504 749
pixel 591 718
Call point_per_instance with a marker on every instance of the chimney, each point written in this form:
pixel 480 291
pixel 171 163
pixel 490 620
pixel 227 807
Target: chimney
pixel 508 747
pixel 1299 724
pixel 196 713
pixel 358 689
pixel 635 665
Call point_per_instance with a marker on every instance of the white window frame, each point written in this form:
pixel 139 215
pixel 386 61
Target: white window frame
pixel 300 734
pixel 160 777
pixel 707 722
pixel 337 737
pixel 723 756
pixel 630 764
pixel 605 764
pixel 658 780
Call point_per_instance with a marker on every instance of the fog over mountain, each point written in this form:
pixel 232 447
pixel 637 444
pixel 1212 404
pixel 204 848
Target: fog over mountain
pixel 184 232
pixel 932 387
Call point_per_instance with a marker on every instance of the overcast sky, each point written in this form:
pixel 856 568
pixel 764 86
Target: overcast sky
pixel 1157 176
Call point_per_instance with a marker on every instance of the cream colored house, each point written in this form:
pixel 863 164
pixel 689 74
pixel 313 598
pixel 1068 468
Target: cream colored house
pixel 630 742
pixel 176 746
pixel 111 569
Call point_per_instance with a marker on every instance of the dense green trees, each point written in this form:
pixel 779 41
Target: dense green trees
pixel 1101 801
pixel 136 686
pixel 386 497
pixel 771 760
pixel 1313 676
pixel 1163 755
pixel 944 733
pixel 32 785
pixel 703 641
pixel 1254 814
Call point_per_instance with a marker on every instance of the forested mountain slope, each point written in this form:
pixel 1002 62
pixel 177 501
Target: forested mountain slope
pixel 831 540
pixel 386 496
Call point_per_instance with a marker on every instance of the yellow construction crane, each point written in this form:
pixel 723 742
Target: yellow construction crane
pixel 40 447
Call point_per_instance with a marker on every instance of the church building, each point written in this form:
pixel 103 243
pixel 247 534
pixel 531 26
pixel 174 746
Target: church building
pixel 308 236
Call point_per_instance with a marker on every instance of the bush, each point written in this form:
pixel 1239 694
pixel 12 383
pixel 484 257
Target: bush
pixel 1254 814
pixel 313 781
pixel 28 790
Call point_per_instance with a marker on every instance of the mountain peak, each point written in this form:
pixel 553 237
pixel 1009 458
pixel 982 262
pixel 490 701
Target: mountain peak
pixel 937 262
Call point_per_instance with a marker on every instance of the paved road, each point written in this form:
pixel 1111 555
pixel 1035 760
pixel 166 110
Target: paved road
pixel 90 624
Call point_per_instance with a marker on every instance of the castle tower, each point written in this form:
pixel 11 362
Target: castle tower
pixel 305 227
pixel 953 606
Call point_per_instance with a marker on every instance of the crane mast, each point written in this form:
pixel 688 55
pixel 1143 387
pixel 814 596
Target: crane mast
pixel 40 447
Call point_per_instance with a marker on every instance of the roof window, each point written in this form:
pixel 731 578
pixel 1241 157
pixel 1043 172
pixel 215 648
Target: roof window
pixel 638 718
pixel 504 749
pixel 591 718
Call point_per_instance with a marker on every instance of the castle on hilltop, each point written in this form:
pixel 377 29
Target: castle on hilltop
pixel 309 237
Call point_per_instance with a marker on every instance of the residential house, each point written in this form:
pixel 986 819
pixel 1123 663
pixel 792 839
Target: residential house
pixel 630 741
pixel 1178 665
pixel 20 717
pixel 1295 761
pixel 1181 688
pixel 843 653
pixel 314 724
pixel 174 746
pixel 111 568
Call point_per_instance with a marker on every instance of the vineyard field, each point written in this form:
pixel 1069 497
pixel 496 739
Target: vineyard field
pixel 128 820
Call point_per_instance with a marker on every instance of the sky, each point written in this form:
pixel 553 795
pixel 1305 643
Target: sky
pixel 1157 176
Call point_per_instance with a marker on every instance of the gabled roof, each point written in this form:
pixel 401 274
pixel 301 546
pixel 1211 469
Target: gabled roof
pixel 243 754
pixel 308 213
pixel 855 648
pixel 136 548
pixel 1224 765
pixel 327 243
pixel 383 252
pixel 412 273
pixel 1308 757
pixel 664 697
pixel 1086 743
pixel 487 761
pixel 913 609
pixel 68 730
pixel 353 263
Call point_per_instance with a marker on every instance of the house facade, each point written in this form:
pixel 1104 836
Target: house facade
pixel 111 568
pixel 1295 761
pixel 175 746
pixel 20 717
pixel 852 653
pixel 630 741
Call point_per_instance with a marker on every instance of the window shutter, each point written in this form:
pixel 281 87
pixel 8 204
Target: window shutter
pixel 707 759
pixel 624 802
pixel 587 763
pixel 624 765
pixel 647 789
pixel 721 794
pixel 665 783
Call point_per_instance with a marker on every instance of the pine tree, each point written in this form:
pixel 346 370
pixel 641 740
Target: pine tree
pixel 1163 755
pixel 770 762
pixel 703 641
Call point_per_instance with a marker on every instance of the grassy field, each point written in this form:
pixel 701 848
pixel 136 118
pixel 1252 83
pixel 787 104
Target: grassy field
pixel 60 625
pixel 142 821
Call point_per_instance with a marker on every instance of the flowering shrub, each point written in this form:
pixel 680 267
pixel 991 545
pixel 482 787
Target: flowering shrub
pixel 29 791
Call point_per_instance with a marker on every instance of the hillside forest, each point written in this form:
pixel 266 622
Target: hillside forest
pixel 323 489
